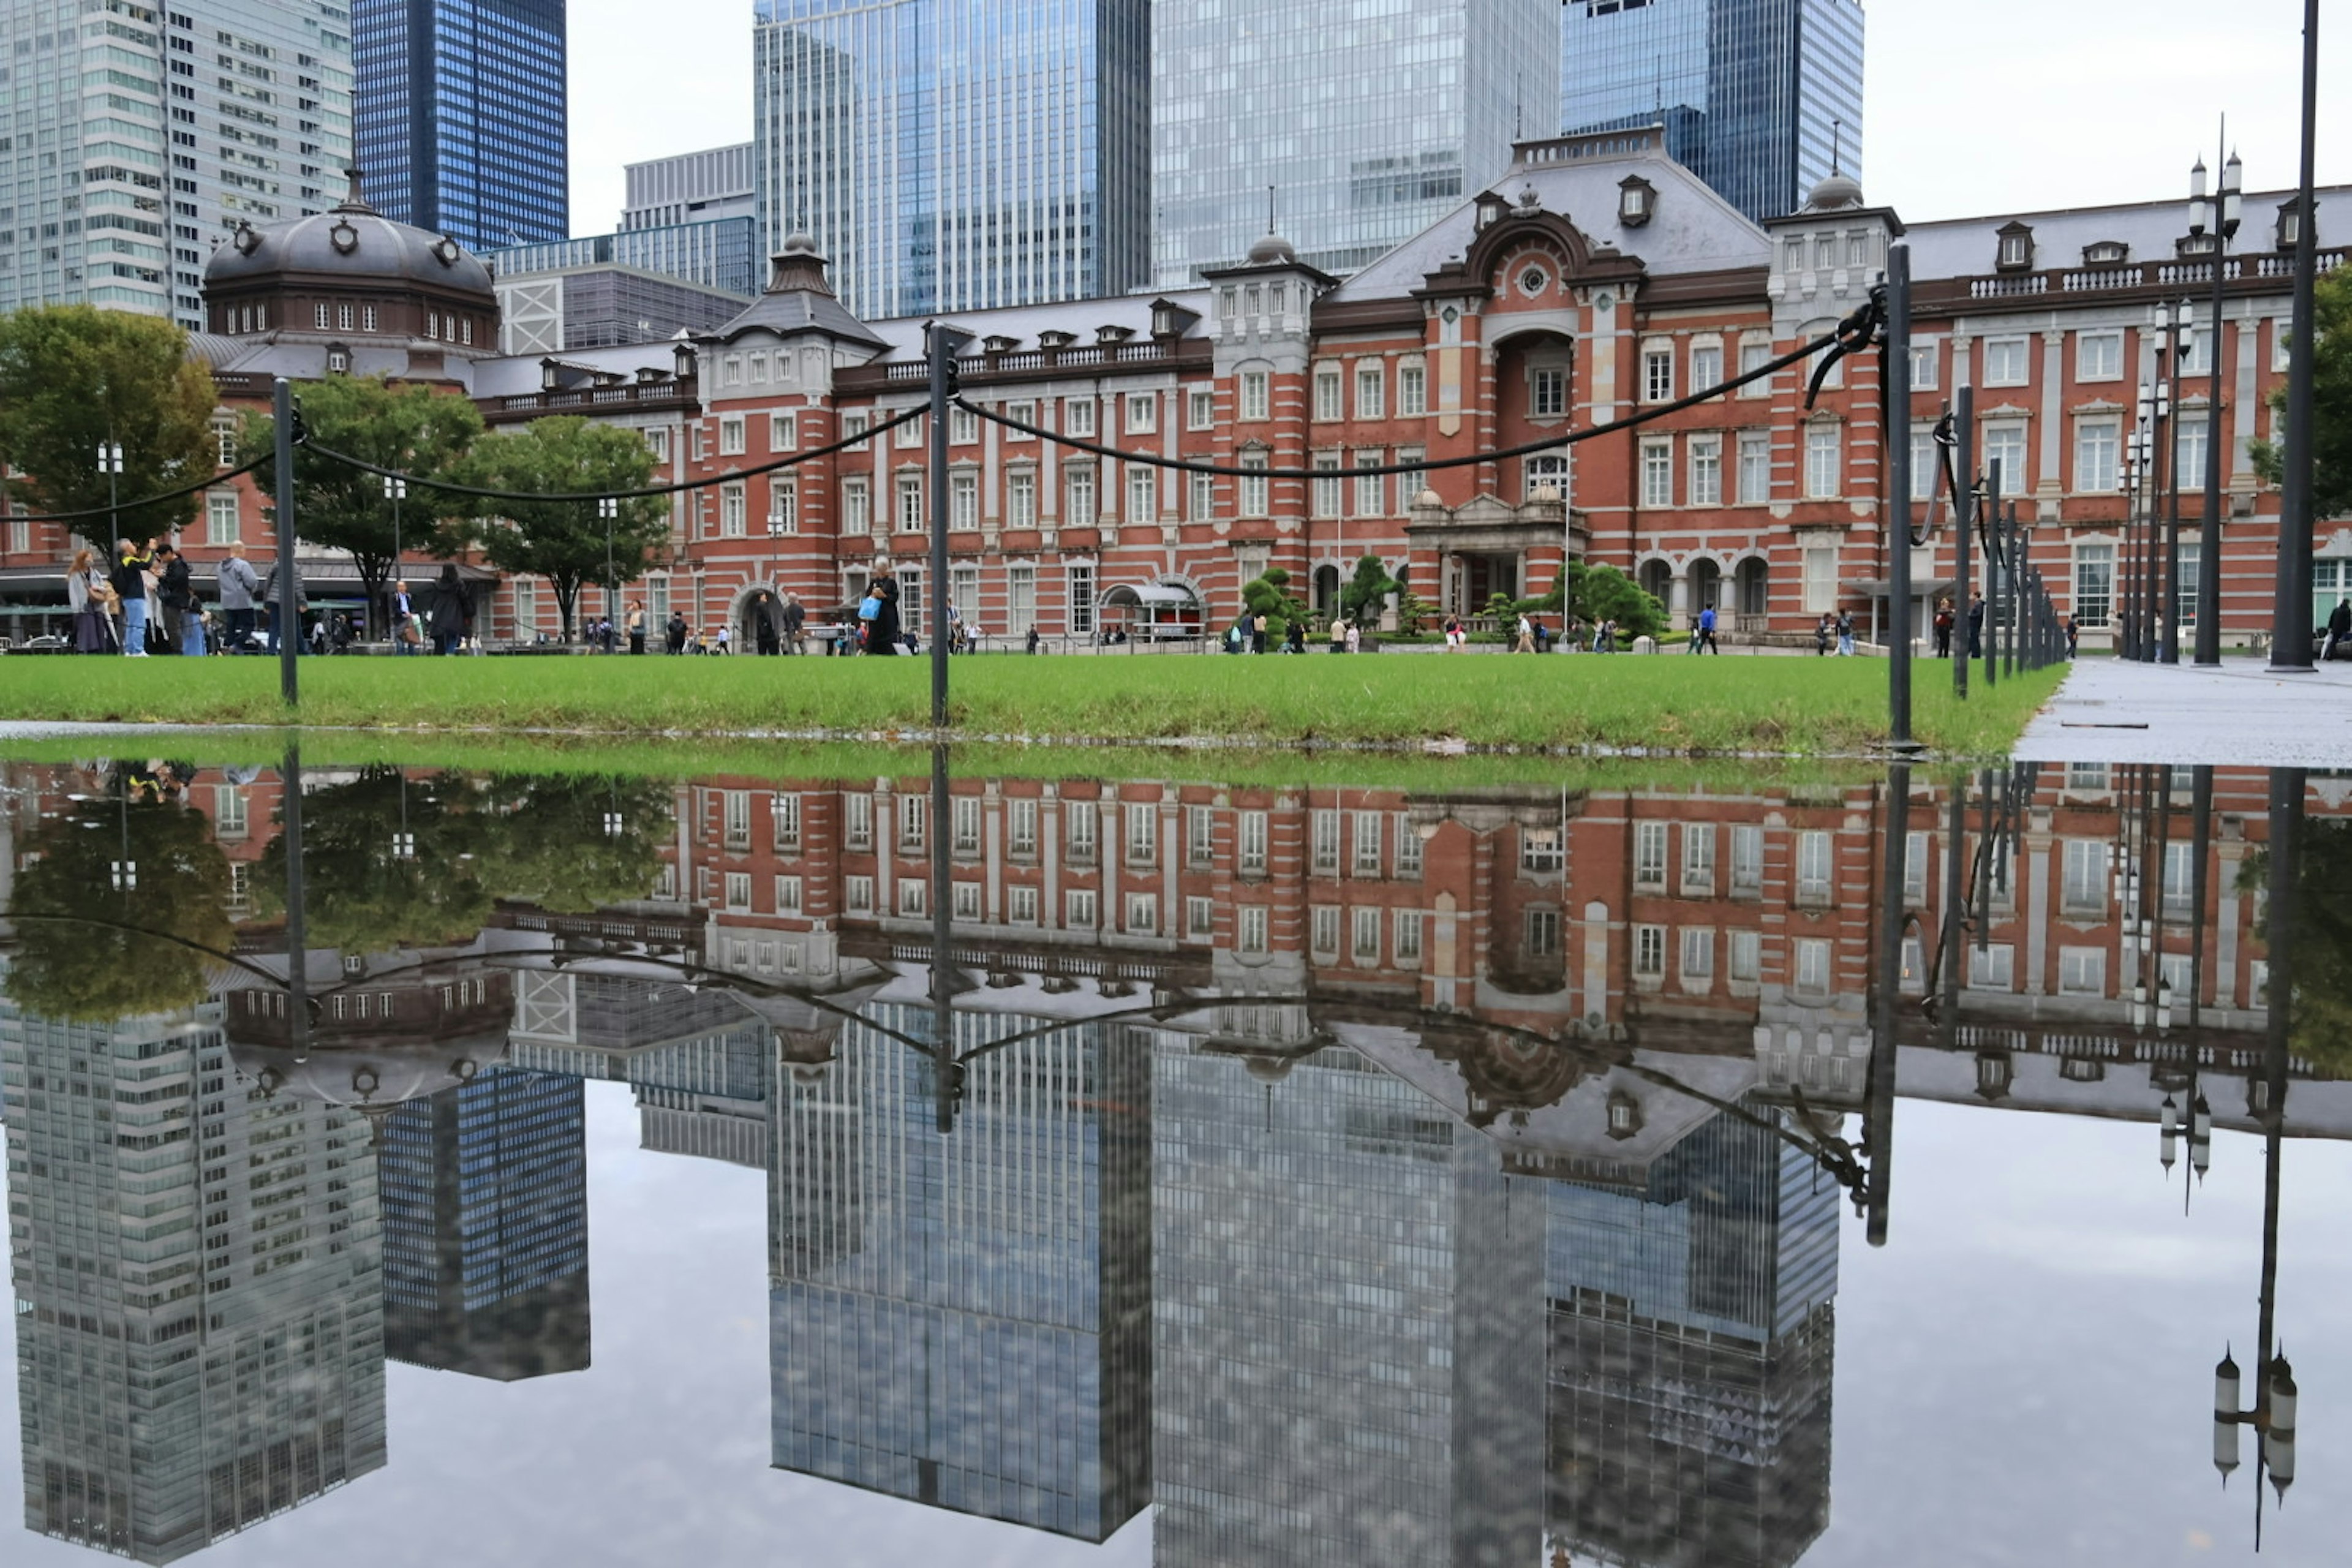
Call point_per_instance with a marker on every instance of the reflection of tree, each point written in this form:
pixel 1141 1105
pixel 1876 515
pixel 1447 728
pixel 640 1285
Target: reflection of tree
pixel 363 893
pixel 90 953
pixel 544 839
pixel 2317 958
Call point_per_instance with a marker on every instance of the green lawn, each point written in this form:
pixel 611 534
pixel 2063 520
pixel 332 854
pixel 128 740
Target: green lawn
pixel 1789 707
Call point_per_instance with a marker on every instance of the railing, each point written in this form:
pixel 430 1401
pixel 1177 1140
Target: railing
pixel 634 393
pixel 2186 272
pixel 2006 287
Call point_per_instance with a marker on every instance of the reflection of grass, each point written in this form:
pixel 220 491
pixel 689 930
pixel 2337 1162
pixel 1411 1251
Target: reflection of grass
pixel 1678 704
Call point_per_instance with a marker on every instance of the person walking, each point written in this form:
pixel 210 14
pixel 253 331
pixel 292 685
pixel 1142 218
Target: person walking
pixel 128 581
pixel 1976 627
pixel 1354 638
pixel 674 632
pixel 2074 637
pixel 1823 631
pixel 767 642
pixel 1339 636
pixel 238 587
pixel 451 610
pixel 285 619
pixel 1707 643
pixel 1527 638
pixel 2339 629
pixel 1945 621
pixel 636 622
pixel 1257 632
pixel 795 626
pixel 175 595
pixel 1845 634
pixel 882 631
pixel 403 620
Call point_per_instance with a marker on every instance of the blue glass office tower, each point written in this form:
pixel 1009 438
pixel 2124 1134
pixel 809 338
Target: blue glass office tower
pixel 1760 99
pixel 958 154
pixel 460 107
pixel 485 1200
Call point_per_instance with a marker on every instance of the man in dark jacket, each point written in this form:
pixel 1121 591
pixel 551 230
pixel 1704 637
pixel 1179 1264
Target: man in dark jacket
pixel 765 641
pixel 2339 629
pixel 1976 627
pixel 674 632
pixel 177 596
pixel 795 625
pixel 281 616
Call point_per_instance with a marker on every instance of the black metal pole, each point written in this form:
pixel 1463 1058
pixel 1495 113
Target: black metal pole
pixel 941 343
pixel 1947 972
pixel 945 1070
pixel 2167 646
pixel 2209 536
pixel 1995 565
pixel 298 977
pixel 2291 613
pixel 1964 508
pixel 1897 359
pixel 289 622
pixel 2012 587
pixel 1878 1116
pixel 2201 838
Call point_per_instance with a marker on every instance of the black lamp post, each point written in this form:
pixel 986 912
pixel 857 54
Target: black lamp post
pixel 2138 483
pixel 2291 610
pixel 2218 214
pixel 2178 324
pixel 610 510
pixel 394 491
pixel 109 463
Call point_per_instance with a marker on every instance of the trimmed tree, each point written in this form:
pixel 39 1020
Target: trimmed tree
pixel 565 541
pixel 1597 593
pixel 1268 594
pixel 72 379
pixel 1364 596
pixel 2331 443
pixel 412 428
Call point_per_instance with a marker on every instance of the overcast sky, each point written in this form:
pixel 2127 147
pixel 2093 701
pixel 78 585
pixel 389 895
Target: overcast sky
pixel 1974 107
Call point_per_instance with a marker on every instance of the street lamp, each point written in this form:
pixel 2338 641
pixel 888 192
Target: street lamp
pixel 610 510
pixel 2220 214
pixel 2175 325
pixel 109 463
pixel 2138 482
pixel 395 491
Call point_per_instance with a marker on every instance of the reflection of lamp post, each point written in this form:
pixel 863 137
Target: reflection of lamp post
pixel 2219 213
pixel 124 873
pixel 610 510
pixel 404 842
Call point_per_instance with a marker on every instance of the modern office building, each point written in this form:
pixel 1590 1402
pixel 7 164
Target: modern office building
pixel 1761 99
pixel 485 1197
pixel 692 187
pixel 141 144
pixel 1691 1340
pixel 964 1321
pixel 461 115
pixel 958 154
pixel 1362 124
pixel 199 1317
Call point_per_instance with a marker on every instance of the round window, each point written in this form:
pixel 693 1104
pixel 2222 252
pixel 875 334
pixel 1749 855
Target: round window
pixel 1532 280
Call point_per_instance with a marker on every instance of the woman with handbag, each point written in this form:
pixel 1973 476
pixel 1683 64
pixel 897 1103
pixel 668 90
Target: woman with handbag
pixel 91 600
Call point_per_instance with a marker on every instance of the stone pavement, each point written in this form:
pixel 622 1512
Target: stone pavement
pixel 2238 714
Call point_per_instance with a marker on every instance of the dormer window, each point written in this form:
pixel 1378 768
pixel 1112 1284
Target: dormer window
pixel 1057 339
pixel 2107 253
pixel 999 344
pixel 338 359
pixel 1490 211
pixel 2195 244
pixel 1636 199
pixel 2015 250
pixel 1113 334
pixel 2290 224
pixel 1624 1115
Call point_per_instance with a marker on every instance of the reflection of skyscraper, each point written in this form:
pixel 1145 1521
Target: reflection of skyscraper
pixel 199 1329
pixel 485 1227
pixel 964 1320
pixel 1348 1299
pixel 1691 1341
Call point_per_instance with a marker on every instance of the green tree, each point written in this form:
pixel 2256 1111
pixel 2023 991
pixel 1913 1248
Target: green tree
pixel 72 378
pixel 366 887
pixel 565 541
pixel 2317 960
pixel 2331 443
pixel 1269 595
pixel 1596 593
pixel 1364 596
pixel 91 951
pixel 412 428
pixel 572 844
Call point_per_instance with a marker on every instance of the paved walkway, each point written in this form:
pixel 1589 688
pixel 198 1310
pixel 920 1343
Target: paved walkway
pixel 2239 713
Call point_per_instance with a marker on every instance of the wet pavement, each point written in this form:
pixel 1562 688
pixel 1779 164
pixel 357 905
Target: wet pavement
pixel 2239 713
pixel 780 1169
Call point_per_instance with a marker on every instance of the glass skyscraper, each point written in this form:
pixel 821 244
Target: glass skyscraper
pixel 116 197
pixel 1363 119
pixel 1761 99
pixel 461 116
pixel 958 154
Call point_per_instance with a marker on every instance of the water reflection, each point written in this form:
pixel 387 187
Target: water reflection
pixel 1338 1174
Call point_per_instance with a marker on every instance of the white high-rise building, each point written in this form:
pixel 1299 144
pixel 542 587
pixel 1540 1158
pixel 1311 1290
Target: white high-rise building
pixel 1364 120
pixel 133 139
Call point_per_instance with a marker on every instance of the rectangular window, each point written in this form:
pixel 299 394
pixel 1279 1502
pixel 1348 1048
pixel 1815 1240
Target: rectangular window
pixel 1914 867
pixel 2083 888
pixel 963 500
pixel 1021 905
pixel 914 816
pixel 858 895
pixel 909 435
pixel 1813 967
pixel 967 905
pixel 1412 391
pixel 1754 355
pixel 1326 491
pixel 1814 866
pixel 1657 375
pixel 2096 448
pixel 1020 599
pixel 1199 408
pixel 1658 472
pixel 1755 467
pixel 1707 470
pixel 1078 825
pixel 1142 915
pixel 1541 850
pixel 783 506
pixel 1020 828
pixel 2189 431
pixel 857 506
pixel 1552 472
pixel 2180 890
pixel 730 510
pixel 1326 842
pixel 1650 857
pixel 1253 487
pixel 1199 835
pixel 1405 932
pixel 788 895
pixel 784 820
pixel 1326 393
pixel 913 897
pixel 1699 860
pixel 1542 934
pixel 1364 940
pixel 1252 856
pixel 2004 457
pixel 732 439
pixel 1747 860
pixel 852 430
pixel 963 427
pixel 1707 366
pixel 1200 917
pixel 1026 412
pixel 1078 416
pixel 1368 853
pixel 1993 968
pixel 910 503
pixel 1820 578
pixel 1203 489
pixel 2095 585
pixel 1824 464
pixel 858 822
pixel 1323 932
pixel 1142 494
pixel 1078 583
pixel 2082 972
pixel 1923 367
pixel 1649 952
pixel 735 816
pixel 1698 957
pixel 739 892
pixel 1141 413
pixel 1926 463
pixel 1078 907
pixel 1253 395
pixel 1021 500
pixel 1371 490
pixel 1747 957
pixel 2199 358
pixel 1250 939
pixel 1142 834
pixel 1078 499
pixel 1547 392
pixel 2098 356
pixel 964 818
pixel 1371 393
pixel 220 520
pixel 2007 362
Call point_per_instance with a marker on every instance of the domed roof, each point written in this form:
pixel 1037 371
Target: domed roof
pixel 1269 250
pixel 374 1077
pixel 1836 192
pixel 353 239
